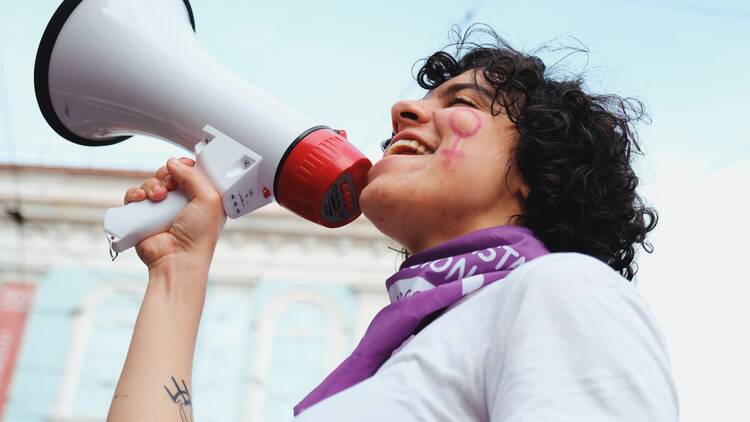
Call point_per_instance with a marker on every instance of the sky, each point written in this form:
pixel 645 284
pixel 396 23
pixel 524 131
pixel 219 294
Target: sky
pixel 344 63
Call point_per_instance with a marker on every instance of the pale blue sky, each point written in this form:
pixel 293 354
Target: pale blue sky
pixel 686 60
pixel 683 59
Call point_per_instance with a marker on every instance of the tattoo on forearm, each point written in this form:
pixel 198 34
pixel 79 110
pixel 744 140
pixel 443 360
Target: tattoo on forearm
pixel 181 397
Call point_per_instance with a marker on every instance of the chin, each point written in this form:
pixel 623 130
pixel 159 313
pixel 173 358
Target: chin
pixel 371 202
pixel 394 212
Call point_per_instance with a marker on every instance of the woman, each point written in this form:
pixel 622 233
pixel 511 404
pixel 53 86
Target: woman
pixel 496 167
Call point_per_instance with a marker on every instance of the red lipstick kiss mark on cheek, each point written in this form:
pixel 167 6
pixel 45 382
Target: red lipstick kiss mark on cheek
pixel 464 123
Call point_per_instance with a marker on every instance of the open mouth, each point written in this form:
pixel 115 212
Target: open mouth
pixel 407 147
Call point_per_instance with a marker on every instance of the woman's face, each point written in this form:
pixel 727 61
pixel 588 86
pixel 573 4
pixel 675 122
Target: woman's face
pixel 464 180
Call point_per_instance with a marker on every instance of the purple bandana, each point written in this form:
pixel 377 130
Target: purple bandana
pixel 441 275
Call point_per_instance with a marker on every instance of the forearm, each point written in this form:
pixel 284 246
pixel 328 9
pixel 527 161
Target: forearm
pixel 155 383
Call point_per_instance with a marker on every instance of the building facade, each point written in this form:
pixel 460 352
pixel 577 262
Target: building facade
pixel 287 301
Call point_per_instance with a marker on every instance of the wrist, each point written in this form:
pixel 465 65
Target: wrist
pixel 179 276
pixel 180 263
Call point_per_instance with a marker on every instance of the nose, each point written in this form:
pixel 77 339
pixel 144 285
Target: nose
pixel 408 113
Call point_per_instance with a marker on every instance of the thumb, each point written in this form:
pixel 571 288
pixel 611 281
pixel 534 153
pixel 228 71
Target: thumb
pixel 196 184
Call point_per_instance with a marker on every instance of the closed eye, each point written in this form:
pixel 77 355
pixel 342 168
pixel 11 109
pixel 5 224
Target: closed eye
pixel 461 100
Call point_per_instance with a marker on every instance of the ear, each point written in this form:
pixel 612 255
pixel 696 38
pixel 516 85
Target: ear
pixel 516 183
pixel 525 190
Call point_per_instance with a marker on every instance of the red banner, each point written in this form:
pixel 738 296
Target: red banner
pixel 15 301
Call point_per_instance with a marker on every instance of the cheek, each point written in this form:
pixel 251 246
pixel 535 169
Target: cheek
pixel 480 168
pixel 465 122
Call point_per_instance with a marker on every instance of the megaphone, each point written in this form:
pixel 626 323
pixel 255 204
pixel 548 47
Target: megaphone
pixel 109 69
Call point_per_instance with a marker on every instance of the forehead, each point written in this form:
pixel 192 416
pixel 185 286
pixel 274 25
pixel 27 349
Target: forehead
pixel 471 80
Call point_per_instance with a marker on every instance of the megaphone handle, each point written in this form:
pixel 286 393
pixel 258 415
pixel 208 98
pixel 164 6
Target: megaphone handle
pixel 128 225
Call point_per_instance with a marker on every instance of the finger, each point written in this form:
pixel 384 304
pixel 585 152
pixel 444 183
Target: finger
pixel 134 194
pixel 165 178
pixel 169 182
pixel 155 191
pixel 161 173
pixel 195 183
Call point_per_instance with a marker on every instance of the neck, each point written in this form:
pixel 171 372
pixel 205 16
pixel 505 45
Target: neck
pixel 445 233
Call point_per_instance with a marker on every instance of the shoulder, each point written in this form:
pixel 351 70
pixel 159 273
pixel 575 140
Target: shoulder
pixel 565 275
pixel 572 332
pixel 569 290
pixel 568 267
pixel 574 302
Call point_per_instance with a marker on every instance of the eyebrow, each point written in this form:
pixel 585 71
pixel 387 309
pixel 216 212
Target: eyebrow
pixel 455 88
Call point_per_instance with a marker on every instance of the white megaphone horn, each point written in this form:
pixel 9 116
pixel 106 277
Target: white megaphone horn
pixel 109 69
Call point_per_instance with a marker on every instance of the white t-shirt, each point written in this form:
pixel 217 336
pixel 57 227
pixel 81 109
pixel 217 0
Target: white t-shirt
pixel 562 338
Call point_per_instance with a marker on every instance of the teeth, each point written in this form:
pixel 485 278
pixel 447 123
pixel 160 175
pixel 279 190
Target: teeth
pixel 407 146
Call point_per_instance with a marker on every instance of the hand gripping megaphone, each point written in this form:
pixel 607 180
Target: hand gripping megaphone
pixel 109 69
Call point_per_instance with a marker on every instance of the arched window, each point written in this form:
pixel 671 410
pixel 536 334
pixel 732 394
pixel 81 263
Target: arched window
pixel 101 330
pixel 301 335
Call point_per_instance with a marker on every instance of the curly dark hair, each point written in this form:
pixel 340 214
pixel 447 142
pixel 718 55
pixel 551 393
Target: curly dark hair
pixel 574 150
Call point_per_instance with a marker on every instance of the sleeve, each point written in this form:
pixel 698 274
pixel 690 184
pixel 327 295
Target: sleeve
pixel 575 342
